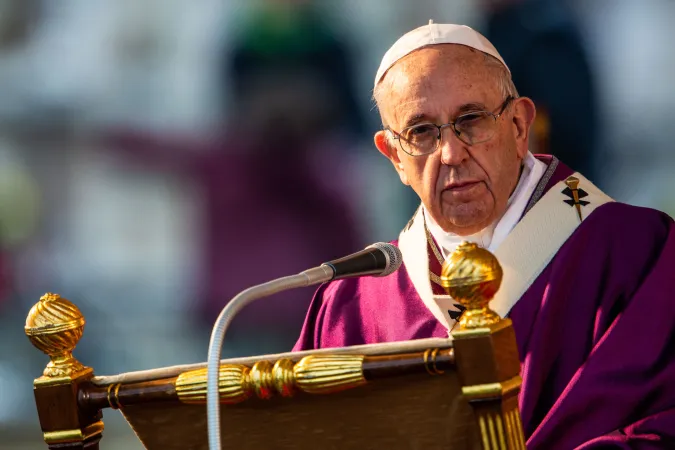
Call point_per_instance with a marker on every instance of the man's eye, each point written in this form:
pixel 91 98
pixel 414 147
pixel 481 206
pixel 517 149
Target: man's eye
pixel 470 119
pixel 422 130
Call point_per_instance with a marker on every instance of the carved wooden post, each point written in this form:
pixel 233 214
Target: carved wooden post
pixel 485 347
pixel 54 325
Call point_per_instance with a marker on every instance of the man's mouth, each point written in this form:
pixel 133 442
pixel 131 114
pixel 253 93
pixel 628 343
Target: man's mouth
pixel 461 186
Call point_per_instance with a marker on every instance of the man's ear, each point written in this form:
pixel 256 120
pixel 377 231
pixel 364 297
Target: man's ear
pixel 390 151
pixel 524 113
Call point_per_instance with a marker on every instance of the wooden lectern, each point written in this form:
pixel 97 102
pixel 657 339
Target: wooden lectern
pixel 456 393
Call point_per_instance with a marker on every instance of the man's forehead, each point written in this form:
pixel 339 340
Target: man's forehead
pixel 427 67
pixel 428 57
pixel 418 80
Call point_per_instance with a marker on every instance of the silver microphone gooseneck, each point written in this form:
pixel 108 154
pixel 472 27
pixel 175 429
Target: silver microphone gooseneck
pixel 312 276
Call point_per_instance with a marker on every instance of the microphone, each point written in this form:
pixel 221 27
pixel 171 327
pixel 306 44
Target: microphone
pixel 379 259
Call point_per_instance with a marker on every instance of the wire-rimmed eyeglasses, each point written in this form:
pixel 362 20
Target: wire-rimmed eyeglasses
pixel 471 128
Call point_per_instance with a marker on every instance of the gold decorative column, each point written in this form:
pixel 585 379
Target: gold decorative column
pixel 54 325
pixel 485 347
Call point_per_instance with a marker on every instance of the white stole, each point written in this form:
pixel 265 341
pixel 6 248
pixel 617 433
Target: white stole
pixel 523 255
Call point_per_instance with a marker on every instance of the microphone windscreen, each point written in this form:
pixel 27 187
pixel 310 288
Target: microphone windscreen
pixel 393 255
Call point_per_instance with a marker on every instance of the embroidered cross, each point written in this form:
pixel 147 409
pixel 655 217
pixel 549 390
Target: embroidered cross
pixel 575 194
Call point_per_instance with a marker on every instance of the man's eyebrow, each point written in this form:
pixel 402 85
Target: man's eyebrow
pixel 415 119
pixel 470 107
pixel 423 118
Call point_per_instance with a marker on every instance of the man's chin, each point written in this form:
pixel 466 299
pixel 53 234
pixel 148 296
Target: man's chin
pixel 465 223
pixel 466 231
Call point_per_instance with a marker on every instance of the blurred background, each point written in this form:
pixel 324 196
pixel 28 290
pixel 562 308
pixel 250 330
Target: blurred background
pixel 157 157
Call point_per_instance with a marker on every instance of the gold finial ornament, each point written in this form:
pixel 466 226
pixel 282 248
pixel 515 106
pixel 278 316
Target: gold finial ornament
pixel 54 325
pixel 471 275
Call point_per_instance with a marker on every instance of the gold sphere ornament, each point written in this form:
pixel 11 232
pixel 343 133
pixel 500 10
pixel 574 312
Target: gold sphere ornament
pixel 54 325
pixel 471 276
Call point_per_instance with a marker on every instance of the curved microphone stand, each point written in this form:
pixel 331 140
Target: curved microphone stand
pixel 307 278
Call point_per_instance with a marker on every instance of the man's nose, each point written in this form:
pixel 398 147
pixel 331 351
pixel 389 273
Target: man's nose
pixel 453 151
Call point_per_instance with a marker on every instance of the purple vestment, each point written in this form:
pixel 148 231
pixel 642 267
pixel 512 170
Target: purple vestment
pixel 595 331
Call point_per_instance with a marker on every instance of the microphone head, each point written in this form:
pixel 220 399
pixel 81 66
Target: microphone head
pixel 393 256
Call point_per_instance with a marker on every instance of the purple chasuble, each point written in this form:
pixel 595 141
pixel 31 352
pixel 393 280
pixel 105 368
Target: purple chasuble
pixel 595 331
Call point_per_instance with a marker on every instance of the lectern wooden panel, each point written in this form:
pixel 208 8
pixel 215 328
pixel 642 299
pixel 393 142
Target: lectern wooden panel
pixel 406 412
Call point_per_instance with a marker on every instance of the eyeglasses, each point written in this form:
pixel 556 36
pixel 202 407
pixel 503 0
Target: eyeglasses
pixel 471 128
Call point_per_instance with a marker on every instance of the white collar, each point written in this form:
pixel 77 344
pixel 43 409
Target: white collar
pixel 493 235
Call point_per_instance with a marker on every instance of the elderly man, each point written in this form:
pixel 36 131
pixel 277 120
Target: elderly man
pixel 588 282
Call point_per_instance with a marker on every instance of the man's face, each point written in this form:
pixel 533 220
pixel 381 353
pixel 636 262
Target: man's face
pixel 464 187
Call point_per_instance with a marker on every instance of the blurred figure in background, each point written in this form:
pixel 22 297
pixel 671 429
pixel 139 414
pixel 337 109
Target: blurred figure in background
pixel 275 200
pixel 540 42
pixel 288 67
pixel 20 211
